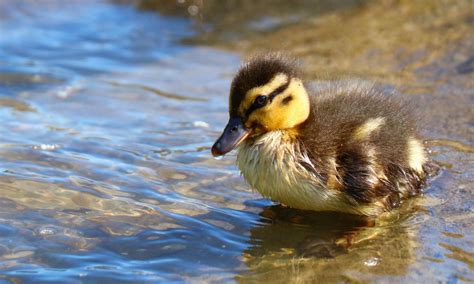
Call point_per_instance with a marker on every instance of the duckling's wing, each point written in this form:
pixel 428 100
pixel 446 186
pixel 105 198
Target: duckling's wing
pixel 363 142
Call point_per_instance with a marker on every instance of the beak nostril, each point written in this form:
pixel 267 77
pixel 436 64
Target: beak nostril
pixel 234 133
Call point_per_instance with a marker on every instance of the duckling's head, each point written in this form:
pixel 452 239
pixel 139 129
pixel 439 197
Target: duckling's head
pixel 265 95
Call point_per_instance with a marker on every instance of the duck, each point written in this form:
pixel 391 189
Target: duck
pixel 346 146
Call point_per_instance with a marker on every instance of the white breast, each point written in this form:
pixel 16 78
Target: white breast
pixel 273 165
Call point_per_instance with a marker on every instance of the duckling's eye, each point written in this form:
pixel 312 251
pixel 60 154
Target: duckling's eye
pixel 260 101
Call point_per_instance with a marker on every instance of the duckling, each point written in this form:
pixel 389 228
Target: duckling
pixel 347 147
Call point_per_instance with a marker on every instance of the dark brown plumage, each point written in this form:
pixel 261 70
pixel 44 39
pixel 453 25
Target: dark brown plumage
pixel 335 116
pixel 258 71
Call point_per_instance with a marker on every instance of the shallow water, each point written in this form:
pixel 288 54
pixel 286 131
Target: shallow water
pixel 108 114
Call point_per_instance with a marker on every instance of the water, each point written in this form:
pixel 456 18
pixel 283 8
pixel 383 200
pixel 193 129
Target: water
pixel 108 113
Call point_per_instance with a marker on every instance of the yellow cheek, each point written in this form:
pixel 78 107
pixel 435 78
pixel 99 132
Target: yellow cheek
pixel 269 118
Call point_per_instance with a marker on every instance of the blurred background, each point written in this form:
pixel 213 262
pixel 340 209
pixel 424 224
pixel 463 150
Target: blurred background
pixel 108 110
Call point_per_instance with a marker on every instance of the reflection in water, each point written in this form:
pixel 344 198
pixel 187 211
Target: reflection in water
pixel 107 118
pixel 326 247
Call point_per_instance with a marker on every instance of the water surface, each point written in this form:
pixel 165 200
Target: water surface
pixel 109 110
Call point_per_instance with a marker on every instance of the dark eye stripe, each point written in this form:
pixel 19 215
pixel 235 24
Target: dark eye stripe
pixel 278 90
pixel 252 108
pixel 270 97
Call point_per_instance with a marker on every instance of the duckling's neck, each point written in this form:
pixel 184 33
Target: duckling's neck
pixel 267 155
pixel 280 137
pixel 276 138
